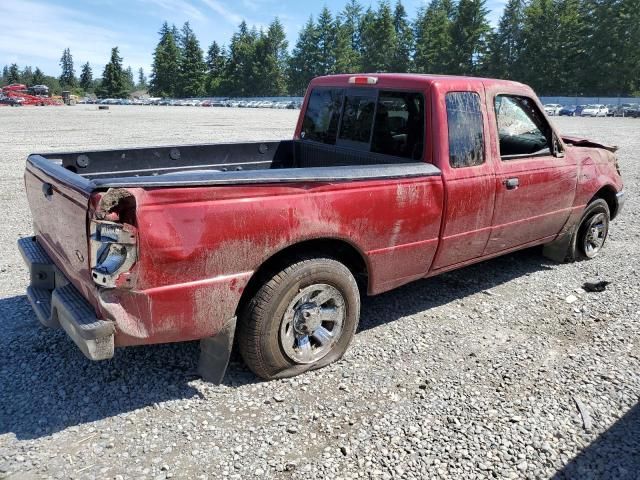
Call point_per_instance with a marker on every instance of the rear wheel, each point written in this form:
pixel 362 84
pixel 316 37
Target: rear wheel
pixel 302 318
pixel 592 231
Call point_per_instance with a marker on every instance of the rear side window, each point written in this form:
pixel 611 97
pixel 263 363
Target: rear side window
pixel 399 125
pixel 466 135
pixel 320 121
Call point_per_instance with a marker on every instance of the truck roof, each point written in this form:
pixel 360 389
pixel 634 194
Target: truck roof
pixel 413 80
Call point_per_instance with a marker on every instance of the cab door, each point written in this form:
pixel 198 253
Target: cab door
pixel 468 175
pixel 535 181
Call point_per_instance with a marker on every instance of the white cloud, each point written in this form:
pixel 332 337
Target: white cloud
pixel 179 6
pixel 223 11
pixel 33 32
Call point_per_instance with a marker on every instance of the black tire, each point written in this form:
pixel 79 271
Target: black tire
pixel 262 320
pixel 598 209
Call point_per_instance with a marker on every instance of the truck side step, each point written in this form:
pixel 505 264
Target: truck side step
pixel 41 268
pixel 40 300
pixel 76 316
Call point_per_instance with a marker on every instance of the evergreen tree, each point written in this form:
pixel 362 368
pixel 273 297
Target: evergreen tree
pixel 38 76
pixel 612 42
pixel 347 60
pixel 129 80
pixel 142 80
pixel 569 49
pixel 5 74
pixel 505 45
pixel 114 78
pixel 86 77
pixel 469 33
pixel 347 45
pixel 68 75
pixel 434 44
pixel 305 59
pixel 192 67
pixel 26 76
pixel 401 61
pixel 540 32
pixel 13 74
pixel 630 67
pixel 378 37
pixel 238 78
pixel 215 62
pixel 166 63
pixel 270 61
pixel 326 38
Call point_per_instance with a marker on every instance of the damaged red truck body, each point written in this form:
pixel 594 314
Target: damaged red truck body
pixel 389 178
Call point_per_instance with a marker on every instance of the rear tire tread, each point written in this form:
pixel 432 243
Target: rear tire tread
pixel 255 314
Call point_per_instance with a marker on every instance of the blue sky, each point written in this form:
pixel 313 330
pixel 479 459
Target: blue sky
pixel 34 32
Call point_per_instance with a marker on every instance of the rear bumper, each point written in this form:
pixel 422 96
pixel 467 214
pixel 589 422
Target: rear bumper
pixel 57 303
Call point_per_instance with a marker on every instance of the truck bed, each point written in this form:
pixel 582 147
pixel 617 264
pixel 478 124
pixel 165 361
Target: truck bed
pixel 222 164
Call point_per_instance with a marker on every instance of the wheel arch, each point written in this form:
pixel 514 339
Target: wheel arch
pixel 338 249
pixel 608 194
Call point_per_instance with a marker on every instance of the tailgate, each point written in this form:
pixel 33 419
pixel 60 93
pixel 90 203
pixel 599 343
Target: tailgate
pixel 59 211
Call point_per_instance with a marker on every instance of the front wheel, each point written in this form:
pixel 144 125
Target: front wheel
pixel 588 239
pixel 302 318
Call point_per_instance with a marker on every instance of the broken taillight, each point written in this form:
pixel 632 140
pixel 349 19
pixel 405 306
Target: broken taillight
pixel 113 253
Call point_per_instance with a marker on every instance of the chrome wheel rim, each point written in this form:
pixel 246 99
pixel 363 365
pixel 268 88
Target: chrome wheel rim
pixel 312 323
pixel 595 234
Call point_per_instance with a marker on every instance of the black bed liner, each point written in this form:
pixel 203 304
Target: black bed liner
pixel 286 161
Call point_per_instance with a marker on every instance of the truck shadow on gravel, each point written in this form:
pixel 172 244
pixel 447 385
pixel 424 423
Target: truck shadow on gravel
pixel 445 288
pixel 614 454
pixel 47 385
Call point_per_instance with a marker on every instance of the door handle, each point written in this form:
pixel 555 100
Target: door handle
pixel 511 183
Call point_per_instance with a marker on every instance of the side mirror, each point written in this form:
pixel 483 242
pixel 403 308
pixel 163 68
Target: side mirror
pixel 558 151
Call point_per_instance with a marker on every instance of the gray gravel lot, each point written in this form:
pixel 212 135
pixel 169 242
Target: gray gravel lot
pixel 477 373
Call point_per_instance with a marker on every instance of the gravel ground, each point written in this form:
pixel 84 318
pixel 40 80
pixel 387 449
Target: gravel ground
pixel 479 373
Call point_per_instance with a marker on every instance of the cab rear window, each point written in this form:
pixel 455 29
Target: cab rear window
pixel 378 121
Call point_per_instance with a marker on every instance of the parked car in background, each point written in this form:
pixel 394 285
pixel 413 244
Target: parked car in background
pixel 595 110
pixel 611 109
pixel 11 101
pixel 568 111
pixel 579 110
pixel 625 109
pixel 552 109
pixel 633 111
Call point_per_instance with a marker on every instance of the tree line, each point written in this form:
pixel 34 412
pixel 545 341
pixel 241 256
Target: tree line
pixel 559 47
pixel 116 81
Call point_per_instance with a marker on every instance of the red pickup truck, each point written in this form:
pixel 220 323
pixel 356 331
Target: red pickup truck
pixel 389 178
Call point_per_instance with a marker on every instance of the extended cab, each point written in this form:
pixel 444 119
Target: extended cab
pixel 389 178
